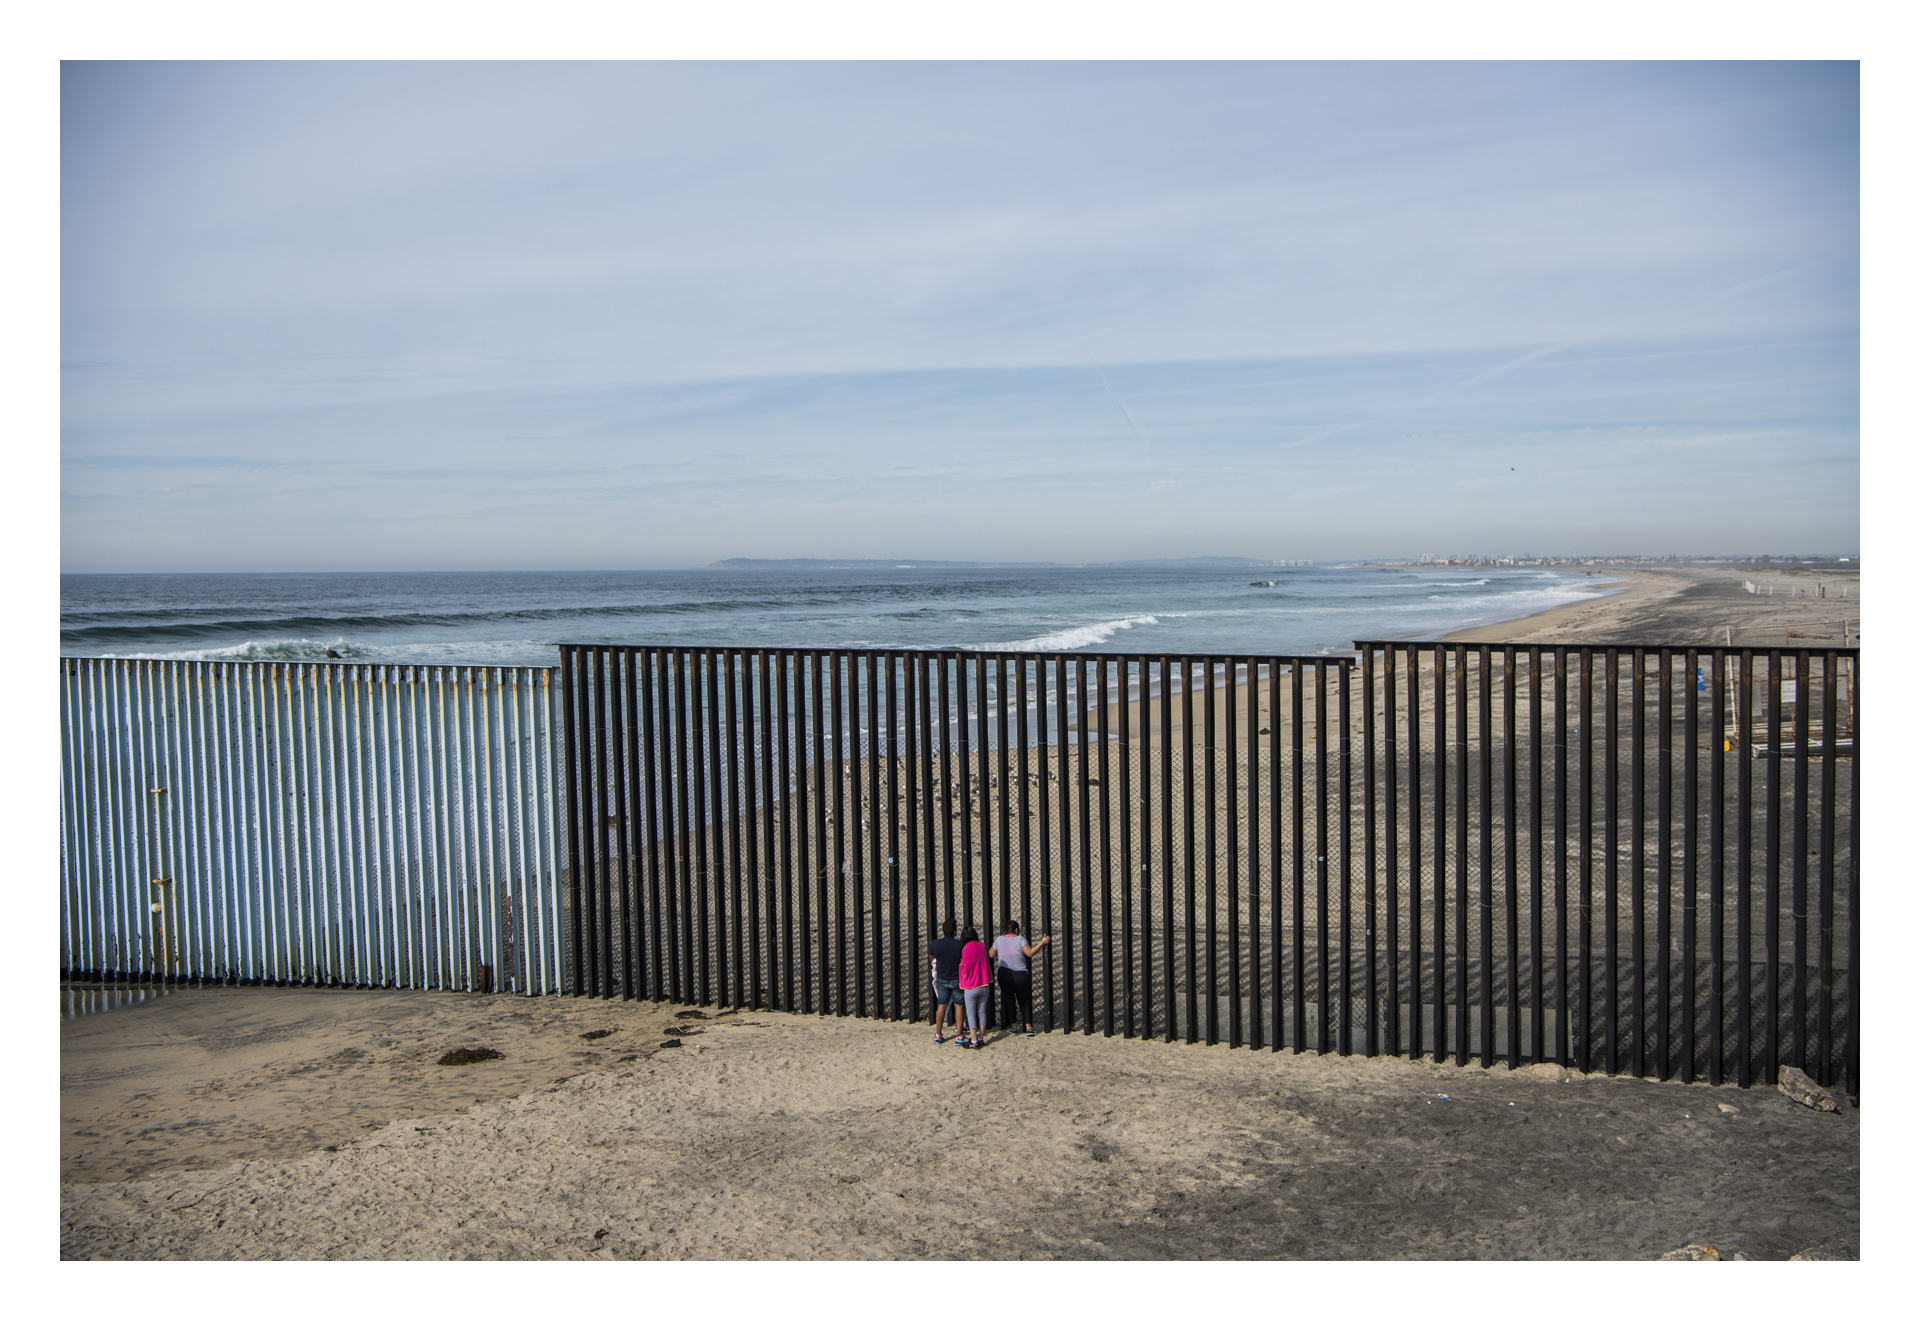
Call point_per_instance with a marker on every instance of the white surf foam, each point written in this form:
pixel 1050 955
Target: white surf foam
pixel 1069 639
pixel 270 649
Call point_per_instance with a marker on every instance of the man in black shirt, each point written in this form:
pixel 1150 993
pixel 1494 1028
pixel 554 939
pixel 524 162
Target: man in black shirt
pixel 945 964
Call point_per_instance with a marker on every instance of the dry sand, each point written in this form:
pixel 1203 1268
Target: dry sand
pixel 1695 606
pixel 292 1124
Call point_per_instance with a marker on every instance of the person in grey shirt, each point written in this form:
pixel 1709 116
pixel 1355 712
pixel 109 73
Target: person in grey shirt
pixel 1016 979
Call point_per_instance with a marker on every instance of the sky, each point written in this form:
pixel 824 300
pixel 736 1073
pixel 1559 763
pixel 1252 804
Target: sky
pixel 397 315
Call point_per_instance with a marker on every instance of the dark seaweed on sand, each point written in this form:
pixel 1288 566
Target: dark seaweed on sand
pixel 597 1033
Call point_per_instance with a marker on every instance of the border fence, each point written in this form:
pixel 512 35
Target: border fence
pixel 331 824
pixel 1625 859
pixel 1630 859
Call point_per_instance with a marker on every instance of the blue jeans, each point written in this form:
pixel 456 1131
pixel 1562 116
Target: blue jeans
pixel 946 992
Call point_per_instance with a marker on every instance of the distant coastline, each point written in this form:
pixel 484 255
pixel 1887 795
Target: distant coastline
pixel 1194 562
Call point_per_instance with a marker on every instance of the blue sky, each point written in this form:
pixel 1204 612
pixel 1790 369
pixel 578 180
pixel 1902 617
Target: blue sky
pixel 443 316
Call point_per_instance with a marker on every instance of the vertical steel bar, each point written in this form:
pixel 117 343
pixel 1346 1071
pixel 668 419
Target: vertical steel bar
pixel 792 800
pixel 655 685
pixel 1146 847
pixel 724 722
pixel 726 725
pixel 1690 867
pixel 1563 957
pixel 1082 934
pixel 1369 827
pixel 1802 704
pixel 1776 765
pixel 1743 872
pixel 1022 726
pixel 839 677
pixel 1003 783
pixel 1296 722
pixel 1829 783
pixel 1047 776
pixel 1390 681
pixel 1510 851
pixel 1230 721
pixel 648 832
pixel 1321 758
pixel 1441 754
pixel 1536 881
pixel 914 794
pixel 570 675
pixel 1609 849
pixel 1345 763
pixel 959 801
pixel 1851 1047
pixel 1256 1019
pixel 869 892
pixel 1166 846
pixel 1463 841
pixel 1488 803
pixel 680 907
pixel 1417 958
pixel 816 909
pixel 1663 922
pixel 1210 837
pixel 705 813
pixel 1637 1000
pixel 981 779
pixel 757 729
pixel 1069 918
pixel 1128 876
pixel 1102 698
pixel 636 982
pixel 592 816
pixel 1187 852
pixel 1717 873
pixel 901 941
pixel 601 813
pixel 944 750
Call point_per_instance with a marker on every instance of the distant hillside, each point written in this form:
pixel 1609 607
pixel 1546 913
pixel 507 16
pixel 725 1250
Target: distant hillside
pixel 1196 562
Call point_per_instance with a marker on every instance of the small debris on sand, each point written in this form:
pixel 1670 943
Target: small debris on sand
pixel 466 1055
pixel 1797 1086
pixel 596 1034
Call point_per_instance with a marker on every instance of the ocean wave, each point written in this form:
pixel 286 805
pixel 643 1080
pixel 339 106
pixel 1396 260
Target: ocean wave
pixel 226 623
pixel 1069 639
pixel 273 649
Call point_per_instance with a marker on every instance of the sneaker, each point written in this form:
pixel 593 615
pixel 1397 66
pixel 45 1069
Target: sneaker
pixel 1032 1033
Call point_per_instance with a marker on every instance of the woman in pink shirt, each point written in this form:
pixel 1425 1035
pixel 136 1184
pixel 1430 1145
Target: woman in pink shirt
pixel 976 984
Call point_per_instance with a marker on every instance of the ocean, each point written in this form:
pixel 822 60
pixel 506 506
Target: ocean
pixel 517 618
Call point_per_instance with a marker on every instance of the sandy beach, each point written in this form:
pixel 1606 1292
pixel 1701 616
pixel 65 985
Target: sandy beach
pixel 243 1123
pixel 1696 605
pixel 261 1123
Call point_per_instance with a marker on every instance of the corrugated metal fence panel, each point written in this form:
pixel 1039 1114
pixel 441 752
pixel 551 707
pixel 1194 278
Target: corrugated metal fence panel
pixel 330 824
